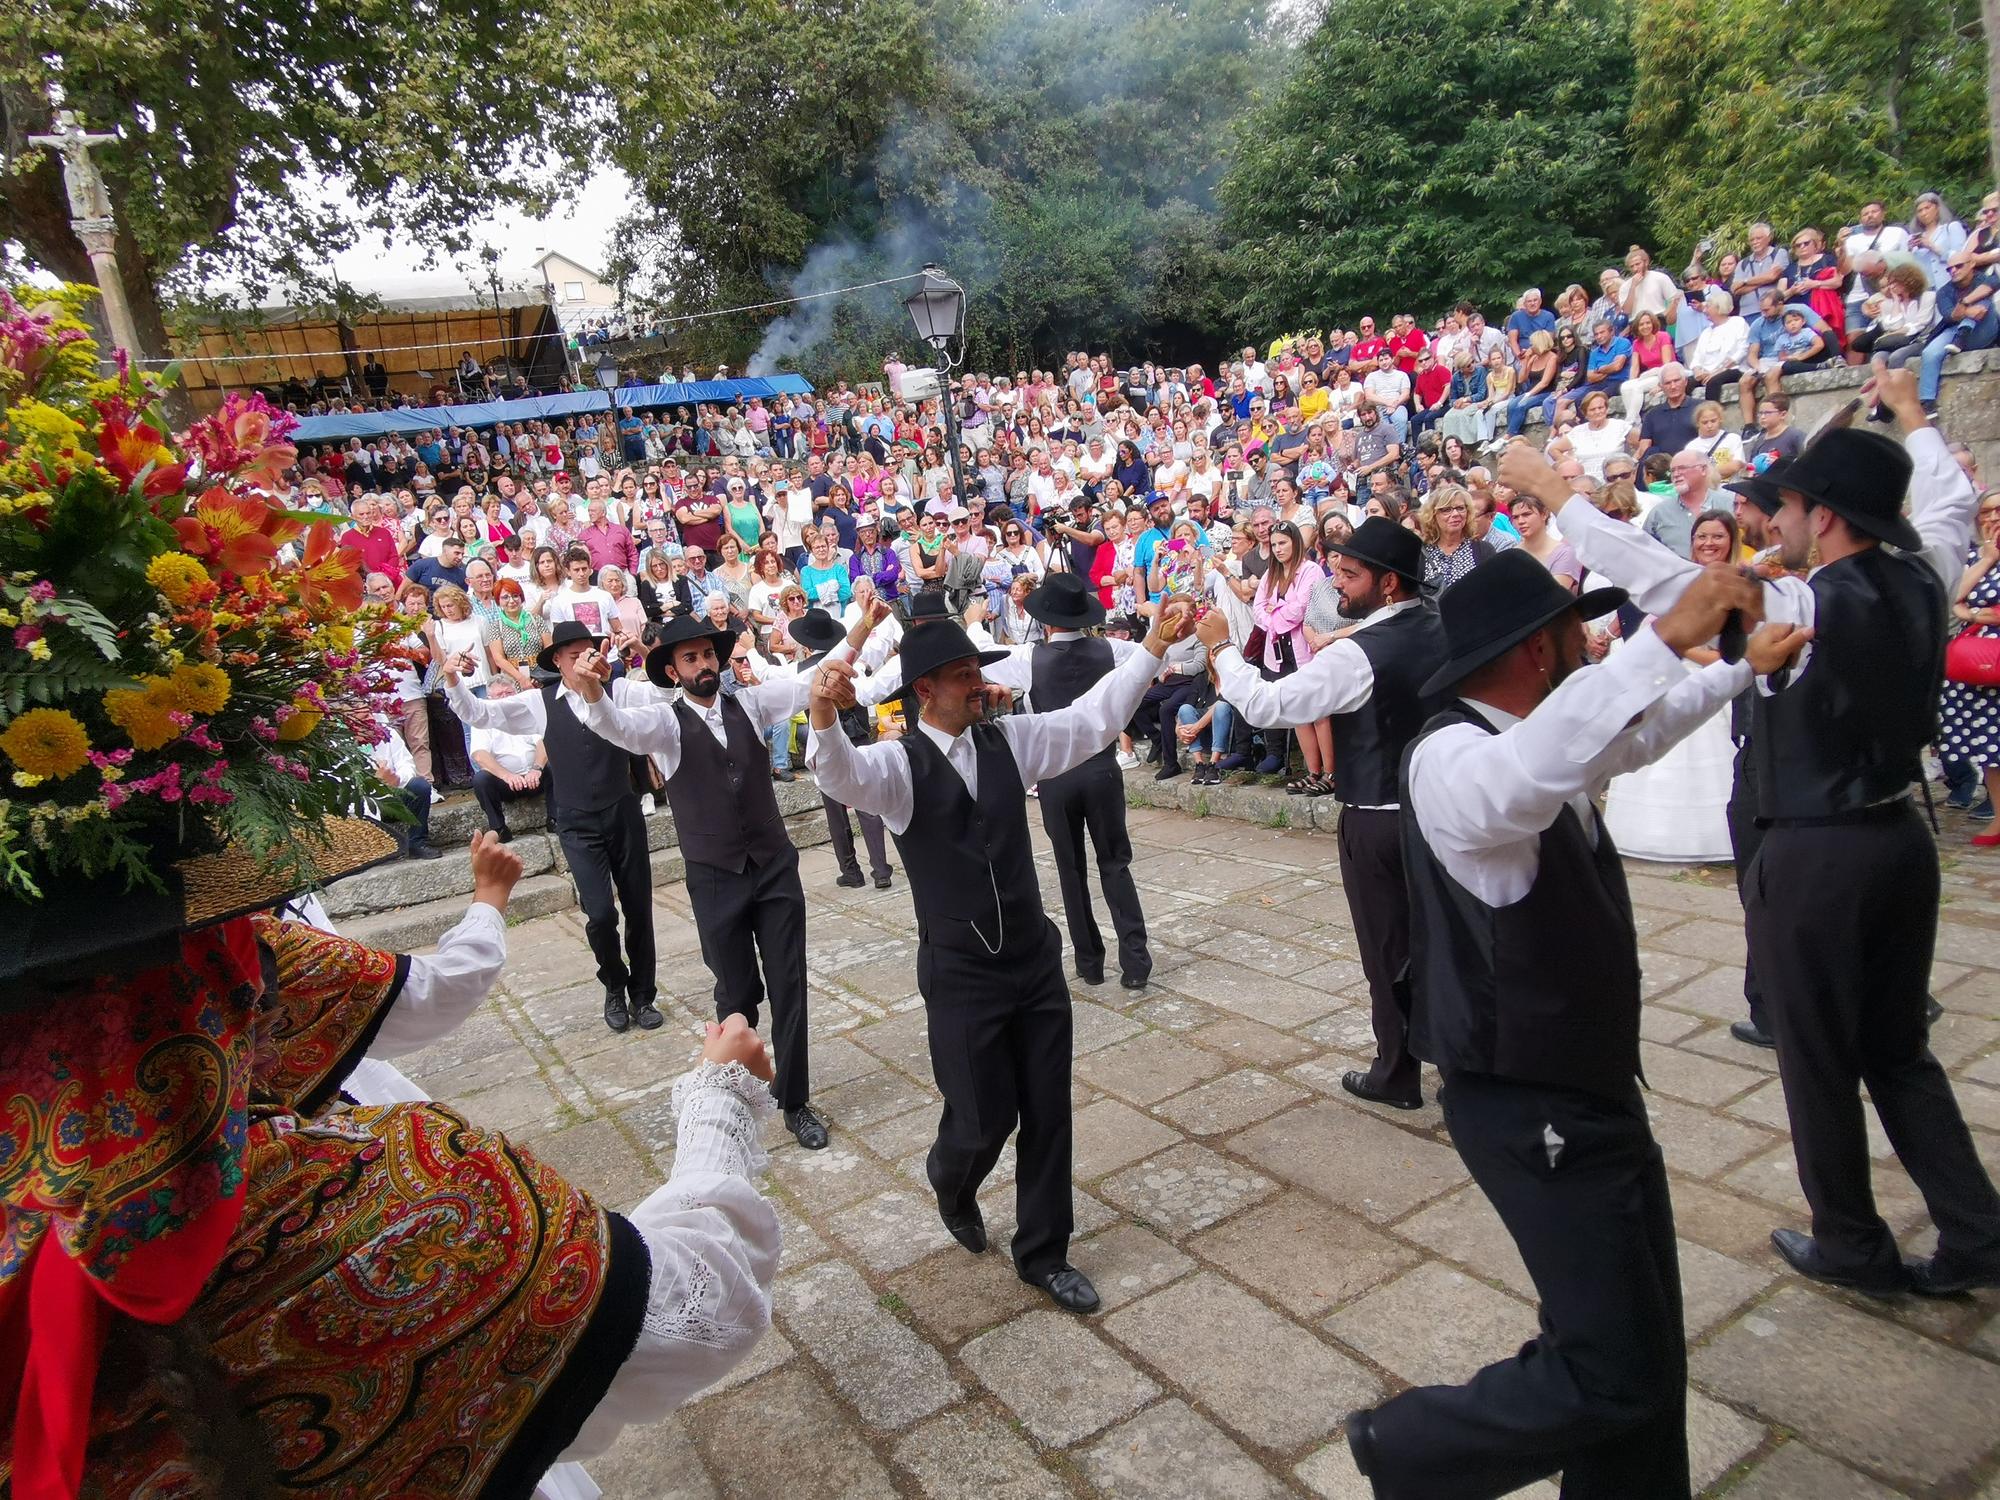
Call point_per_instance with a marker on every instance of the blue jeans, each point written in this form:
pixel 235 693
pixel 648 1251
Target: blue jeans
pixel 779 738
pixel 1216 736
pixel 1518 408
pixel 1983 334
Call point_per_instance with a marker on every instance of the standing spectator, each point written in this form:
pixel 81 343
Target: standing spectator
pixel 1763 268
pixel 1450 551
pixel 1969 714
pixel 1527 319
pixel 1870 240
pixel 513 637
pixel 1815 280
pixel 579 599
pixel 1648 290
pixel 1531 519
pixel 377 543
pixel 1936 236
pixel 1283 595
pixel 609 543
pixel 413 656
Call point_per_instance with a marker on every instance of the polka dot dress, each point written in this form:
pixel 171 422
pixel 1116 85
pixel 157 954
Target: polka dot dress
pixel 1969 717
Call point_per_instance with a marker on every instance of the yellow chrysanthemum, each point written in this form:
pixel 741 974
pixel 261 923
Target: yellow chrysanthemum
pixel 200 689
pixel 177 576
pixel 46 743
pixel 298 726
pixel 145 714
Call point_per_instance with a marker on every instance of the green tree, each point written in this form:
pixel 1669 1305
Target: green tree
pixel 1800 113
pixel 1429 150
pixel 428 115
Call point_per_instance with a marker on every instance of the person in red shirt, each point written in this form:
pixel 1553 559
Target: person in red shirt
pixel 1362 355
pixel 1406 342
pixel 375 541
pixel 1432 385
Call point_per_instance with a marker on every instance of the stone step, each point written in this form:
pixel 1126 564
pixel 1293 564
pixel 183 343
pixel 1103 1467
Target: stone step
pixel 408 928
pixel 455 820
pixel 412 882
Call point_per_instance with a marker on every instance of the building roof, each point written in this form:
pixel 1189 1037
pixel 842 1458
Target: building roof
pixel 550 255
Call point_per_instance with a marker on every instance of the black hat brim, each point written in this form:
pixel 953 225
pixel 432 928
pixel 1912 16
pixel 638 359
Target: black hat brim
pixel 1588 606
pixel 546 660
pixel 1042 605
pixel 1379 564
pixel 658 670
pixel 1895 530
pixel 908 692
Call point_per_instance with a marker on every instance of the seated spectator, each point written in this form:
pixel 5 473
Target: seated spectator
pixel 1531 520
pixel 398 771
pixel 1671 522
pixel 1781 342
pixel 1450 550
pixel 1966 321
pixel 1716 357
pixel 1902 312
pixel 1716 443
pixel 1599 435
pixel 447 567
pixel 508 766
pixel 514 638
pixel 1652 352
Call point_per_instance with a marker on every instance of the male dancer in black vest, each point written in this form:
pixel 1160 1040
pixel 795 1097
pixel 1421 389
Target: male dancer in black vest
pixel 598 822
pixel 742 869
pixel 1843 897
pixel 1088 799
pixel 1525 988
pixel 1367 682
pixel 953 792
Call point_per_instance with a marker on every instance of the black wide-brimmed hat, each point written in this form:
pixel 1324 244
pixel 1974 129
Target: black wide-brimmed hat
pixel 565 632
pixel 1761 489
pixel 1498 605
pixel 930 604
pixel 1386 547
pixel 688 627
pixel 1065 602
pixel 931 644
pixel 1860 476
pixel 816 630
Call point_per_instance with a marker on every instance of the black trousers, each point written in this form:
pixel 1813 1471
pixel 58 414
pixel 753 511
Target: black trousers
pixel 753 938
pixel 607 854
pixel 1843 920
pixel 1090 800
pixel 1000 1050
pixel 1158 713
pixel 1371 872
pixel 842 835
pixel 1602 1393
pixel 491 792
pixel 415 795
pixel 1745 839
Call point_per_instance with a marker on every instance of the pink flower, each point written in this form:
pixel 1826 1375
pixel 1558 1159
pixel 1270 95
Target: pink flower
pixel 210 796
pixel 202 739
pixel 262 728
pixel 26 635
pixel 42 591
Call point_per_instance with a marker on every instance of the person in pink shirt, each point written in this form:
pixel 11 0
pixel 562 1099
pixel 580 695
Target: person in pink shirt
pixel 608 543
pixel 376 542
pixel 1280 611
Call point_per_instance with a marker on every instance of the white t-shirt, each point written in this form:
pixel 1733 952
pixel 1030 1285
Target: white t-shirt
pixel 513 752
pixel 1387 387
pixel 1234 610
pixel 592 607
pixel 1592 448
pixel 467 635
pixel 1891 239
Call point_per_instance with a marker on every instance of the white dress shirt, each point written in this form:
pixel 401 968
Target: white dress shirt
pixel 876 778
pixel 1484 800
pixel 654 729
pixel 1943 509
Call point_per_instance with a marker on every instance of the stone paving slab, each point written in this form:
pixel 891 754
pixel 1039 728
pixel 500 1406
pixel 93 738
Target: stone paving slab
pixel 1254 1232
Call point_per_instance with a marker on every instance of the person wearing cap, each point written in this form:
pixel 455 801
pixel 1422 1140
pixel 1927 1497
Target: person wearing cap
pixel 953 793
pixel 1537 1040
pixel 742 870
pixel 873 561
pixel 1842 903
pixel 1368 683
pixel 597 816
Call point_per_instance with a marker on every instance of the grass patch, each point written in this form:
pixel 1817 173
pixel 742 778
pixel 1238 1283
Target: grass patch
pixel 1282 818
pixel 1200 808
pixel 890 1302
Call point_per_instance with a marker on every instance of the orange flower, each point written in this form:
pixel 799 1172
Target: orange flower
pixel 330 580
pixel 127 451
pixel 226 532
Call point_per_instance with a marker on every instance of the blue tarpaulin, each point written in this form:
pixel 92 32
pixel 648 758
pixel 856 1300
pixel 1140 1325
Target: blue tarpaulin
pixel 533 408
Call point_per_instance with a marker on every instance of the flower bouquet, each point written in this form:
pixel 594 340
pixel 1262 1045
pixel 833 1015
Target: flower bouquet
pixel 185 665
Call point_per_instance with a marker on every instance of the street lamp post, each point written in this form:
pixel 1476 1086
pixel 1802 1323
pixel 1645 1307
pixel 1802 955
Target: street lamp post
pixel 937 307
pixel 607 380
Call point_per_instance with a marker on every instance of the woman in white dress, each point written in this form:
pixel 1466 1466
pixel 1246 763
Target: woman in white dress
pixel 1677 809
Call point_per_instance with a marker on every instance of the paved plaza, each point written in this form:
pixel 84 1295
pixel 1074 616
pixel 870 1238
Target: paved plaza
pixel 1271 1252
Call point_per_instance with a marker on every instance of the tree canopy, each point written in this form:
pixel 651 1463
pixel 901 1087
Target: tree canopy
pixel 1429 150
pixel 1799 113
pixel 430 116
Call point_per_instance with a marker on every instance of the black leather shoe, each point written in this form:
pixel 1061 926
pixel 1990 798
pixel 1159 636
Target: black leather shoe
pixel 852 879
pixel 1357 1084
pixel 882 881
pixel 1068 1286
pixel 1089 975
pixel 616 1016
pixel 806 1127
pixel 1938 1277
pixel 1750 1034
pixel 1802 1254
pixel 1167 772
pixel 1932 1010
pixel 422 851
pixel 648 1016
pixel 968 1229
pixel 1132 981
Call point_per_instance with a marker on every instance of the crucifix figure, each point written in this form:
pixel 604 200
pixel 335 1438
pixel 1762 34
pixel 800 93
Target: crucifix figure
pixel 92 218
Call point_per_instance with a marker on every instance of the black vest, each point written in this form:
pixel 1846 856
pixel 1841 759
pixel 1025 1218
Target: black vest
pixel 1545 990
pixel 725 812
pixel 1368 744
pixel 1851 730
pixel 971 866
pixel 590 773
pixel 1060 672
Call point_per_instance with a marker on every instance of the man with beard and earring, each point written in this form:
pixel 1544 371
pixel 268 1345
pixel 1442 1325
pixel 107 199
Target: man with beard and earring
pixel 1842 905
pixel 953 792
pixel 1368 683
pixel 598 822
pixel 1525 993
pixel 742 869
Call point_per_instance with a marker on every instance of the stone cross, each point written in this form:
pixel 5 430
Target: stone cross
pixel 91 217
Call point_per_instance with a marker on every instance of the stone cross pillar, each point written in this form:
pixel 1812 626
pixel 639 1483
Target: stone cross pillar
pixel 92 219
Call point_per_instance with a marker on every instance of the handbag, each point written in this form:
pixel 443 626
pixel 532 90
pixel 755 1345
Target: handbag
pixel 1973 659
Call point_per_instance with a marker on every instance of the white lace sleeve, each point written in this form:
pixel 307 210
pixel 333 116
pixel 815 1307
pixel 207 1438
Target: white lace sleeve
pixel 714 1242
